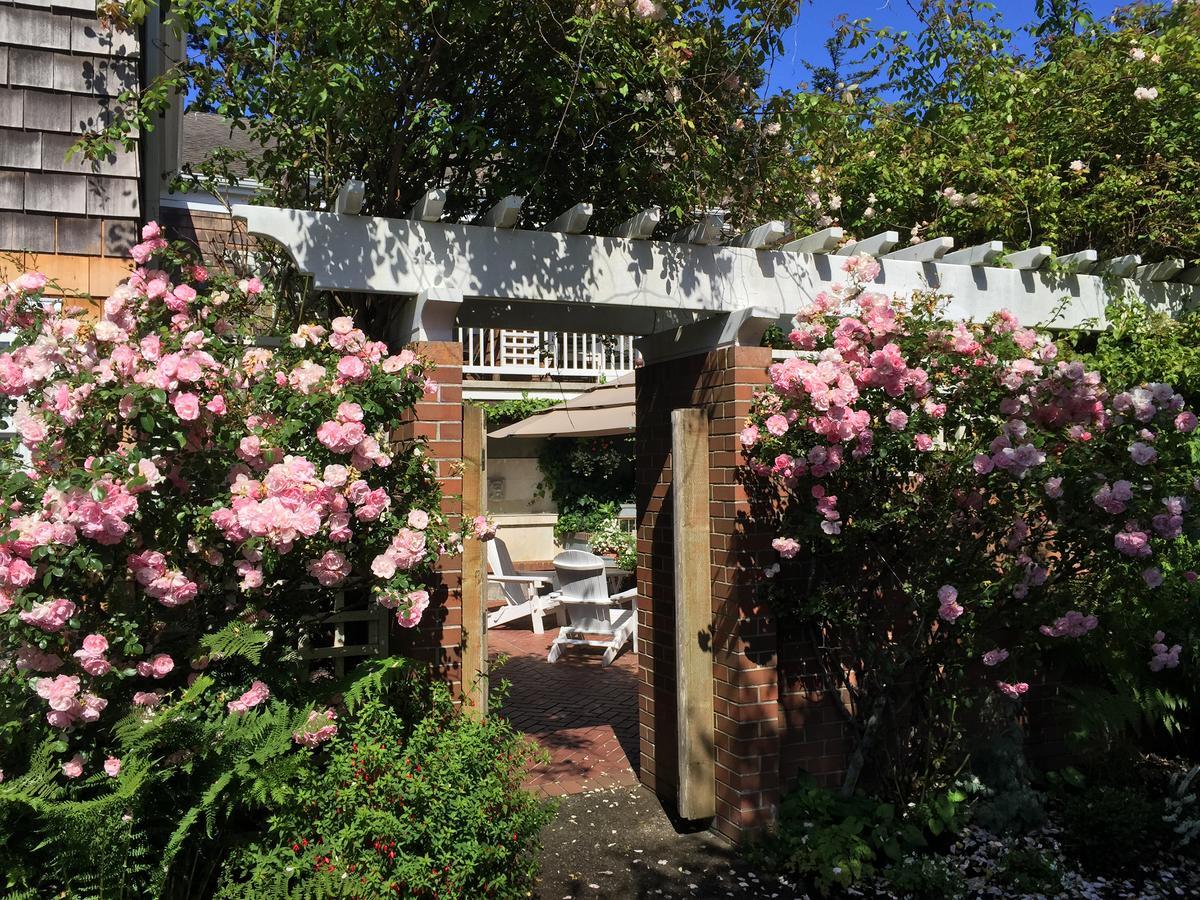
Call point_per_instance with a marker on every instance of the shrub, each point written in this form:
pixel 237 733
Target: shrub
pixel 588 479
pixel 193 505
pixel 835 841
pixel 612 539
pixel 1028 870
pixel 931 877
pixel 1111 828
pixel 431 809
pixel 961 514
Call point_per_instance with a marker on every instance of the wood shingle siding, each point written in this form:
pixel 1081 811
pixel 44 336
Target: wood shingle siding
pixel 60 72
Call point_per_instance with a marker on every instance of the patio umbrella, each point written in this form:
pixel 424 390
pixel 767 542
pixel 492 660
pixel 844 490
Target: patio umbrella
pixel 602 410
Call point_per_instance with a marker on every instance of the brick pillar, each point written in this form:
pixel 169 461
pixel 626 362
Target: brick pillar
pixel 743 636
pixel 438 419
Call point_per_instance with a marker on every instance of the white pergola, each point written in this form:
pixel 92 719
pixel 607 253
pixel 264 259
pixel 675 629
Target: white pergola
pixel 691 292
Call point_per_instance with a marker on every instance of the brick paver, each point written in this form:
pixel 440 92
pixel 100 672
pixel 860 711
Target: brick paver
pixel 583 714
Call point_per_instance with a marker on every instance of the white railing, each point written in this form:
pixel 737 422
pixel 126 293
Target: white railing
pixel 508 351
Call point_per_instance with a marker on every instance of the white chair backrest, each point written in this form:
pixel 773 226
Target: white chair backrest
pixel 501 564
pixel 499 560
pixel 581 576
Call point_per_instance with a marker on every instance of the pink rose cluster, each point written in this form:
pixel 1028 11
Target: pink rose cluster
pixel 1072 624
pixel 168 586
pixel 67 704
pixel 258 693
pixel 1164 657
pixel 318 728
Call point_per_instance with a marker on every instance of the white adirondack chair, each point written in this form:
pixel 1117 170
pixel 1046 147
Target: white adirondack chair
pixel 583 593
pixel 520 592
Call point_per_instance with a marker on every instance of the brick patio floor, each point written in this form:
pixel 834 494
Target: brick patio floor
pixel 583 714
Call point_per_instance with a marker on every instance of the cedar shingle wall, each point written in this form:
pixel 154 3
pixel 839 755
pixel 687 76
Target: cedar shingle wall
pixel 60 72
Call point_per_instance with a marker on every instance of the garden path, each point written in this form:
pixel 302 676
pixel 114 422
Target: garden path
pixel 583 714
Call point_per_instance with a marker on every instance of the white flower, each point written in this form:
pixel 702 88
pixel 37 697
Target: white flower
pixel 835 202
pixel 1145 93
pixel 869 212
pixel 738 124
pixel 771 129
pixel 644 97
pixel 673 94
pixel 648 9
pixel 1137 53
pixel 1076 166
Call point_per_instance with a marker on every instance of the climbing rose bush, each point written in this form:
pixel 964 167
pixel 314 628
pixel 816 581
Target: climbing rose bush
pixel 186 504
pixel 963 509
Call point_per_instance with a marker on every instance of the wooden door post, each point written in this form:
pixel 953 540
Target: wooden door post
pixel 693 614
pixel 474 574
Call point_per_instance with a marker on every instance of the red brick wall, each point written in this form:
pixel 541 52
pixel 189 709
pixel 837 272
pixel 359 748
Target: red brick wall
pixel 744 640
pixel 438 419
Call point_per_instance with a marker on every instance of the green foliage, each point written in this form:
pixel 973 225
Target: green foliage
pixel 926 877
pixel 588 479
pixel 611 539
pixel 428 807
pixel 1112 828
pixel 1183 809
pixel 1028 870
pixel 953 128
pixel 834 841
pixel 505 412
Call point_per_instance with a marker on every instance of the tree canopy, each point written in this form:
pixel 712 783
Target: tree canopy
pixel 1084 138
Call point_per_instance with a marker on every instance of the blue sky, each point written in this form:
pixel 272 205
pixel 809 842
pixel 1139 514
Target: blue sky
pixel 806 38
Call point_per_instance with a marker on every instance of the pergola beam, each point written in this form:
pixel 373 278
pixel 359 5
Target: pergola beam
pixel 640 226
pixel 761 237
pixel 824 241
pixel 1030 260
pixel 504 214
pixel 617 285
pixel 926 251
pixel 703 233
pixel 979 255
pixel 875 245
pixel 573 221
pixel 1160 271
pixel 429 207
pixel 1079 263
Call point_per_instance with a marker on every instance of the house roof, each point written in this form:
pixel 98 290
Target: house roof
pixel 202 132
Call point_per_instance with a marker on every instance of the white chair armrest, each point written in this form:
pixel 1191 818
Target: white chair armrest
pixel 625 595
pixel 519 579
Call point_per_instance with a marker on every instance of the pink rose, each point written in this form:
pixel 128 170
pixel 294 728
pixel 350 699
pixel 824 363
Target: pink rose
pixel 749 436
pixel 409 617
pixel 924 442
pixel 257 694
pixel 216 405
pixel 112 767
pixel 897 419
pixel 484 529
pixel 418 519
pixel 949 609
pixel 73 767
pixel 1185 422
pixel 353 369
pixel 786 547
pixel 187 406
pixel 777 425
pixel 1012 691
pixel 995 657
